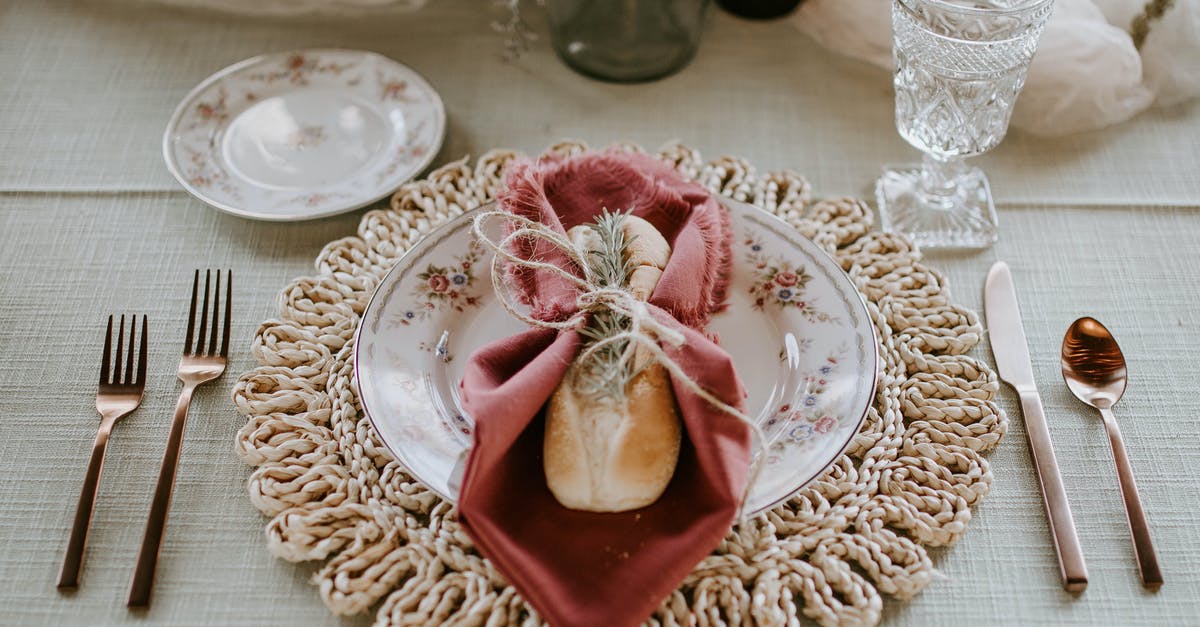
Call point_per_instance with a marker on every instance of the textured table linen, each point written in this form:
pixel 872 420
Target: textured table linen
pixel 91 223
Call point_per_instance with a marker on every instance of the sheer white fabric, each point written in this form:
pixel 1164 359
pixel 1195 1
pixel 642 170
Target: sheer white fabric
pixel 1086 74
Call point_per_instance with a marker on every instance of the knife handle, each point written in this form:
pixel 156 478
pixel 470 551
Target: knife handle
pixel 1062 524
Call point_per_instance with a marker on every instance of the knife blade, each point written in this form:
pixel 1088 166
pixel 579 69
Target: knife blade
pixel 1004 322
pixel 1006 333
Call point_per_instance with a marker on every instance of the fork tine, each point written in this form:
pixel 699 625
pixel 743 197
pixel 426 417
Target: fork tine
pixel 142 350
pixel 203 316
pixel 228 312
pixel 187 345
pixel 104 363
pixel 129 358
pixel 212 340
pixel 116 375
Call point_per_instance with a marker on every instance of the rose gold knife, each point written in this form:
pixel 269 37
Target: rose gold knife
pixel 1007 336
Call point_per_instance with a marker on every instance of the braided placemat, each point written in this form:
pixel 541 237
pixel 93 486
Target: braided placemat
pixel 334 493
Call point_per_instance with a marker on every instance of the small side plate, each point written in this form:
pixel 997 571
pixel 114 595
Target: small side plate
pixel 305 134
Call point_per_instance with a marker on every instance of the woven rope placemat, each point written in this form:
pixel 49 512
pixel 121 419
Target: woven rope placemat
pixel 908 481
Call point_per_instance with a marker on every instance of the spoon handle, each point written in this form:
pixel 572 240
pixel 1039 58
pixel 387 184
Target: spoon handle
pixel 1142 544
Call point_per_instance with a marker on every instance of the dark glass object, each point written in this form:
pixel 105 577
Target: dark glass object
pixel 759 9
pixel 626 40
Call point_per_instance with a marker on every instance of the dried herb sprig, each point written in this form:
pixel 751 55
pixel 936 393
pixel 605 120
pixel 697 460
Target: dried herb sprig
pixel 605 373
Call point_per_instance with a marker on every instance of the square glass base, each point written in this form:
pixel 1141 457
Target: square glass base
pixel 965 218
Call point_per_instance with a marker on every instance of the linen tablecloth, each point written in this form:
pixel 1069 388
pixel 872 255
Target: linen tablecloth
pixel 1103 224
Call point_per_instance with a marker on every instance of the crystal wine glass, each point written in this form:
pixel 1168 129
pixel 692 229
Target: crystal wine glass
pixel 959 65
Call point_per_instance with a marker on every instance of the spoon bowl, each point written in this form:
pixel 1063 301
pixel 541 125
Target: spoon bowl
pixel 1094 369
pixel 1092 364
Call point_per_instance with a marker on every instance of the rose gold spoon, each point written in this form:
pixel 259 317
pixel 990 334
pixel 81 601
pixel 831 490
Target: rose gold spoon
pixel 1094 369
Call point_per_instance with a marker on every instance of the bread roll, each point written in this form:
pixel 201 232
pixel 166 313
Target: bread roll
pixel 613 453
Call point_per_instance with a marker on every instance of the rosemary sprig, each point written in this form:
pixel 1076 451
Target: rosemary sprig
pixel 605 374
pixel 610 263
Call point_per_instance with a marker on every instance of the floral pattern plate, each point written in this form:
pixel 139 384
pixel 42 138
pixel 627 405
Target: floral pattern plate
pixel 798 331
pixel 300 135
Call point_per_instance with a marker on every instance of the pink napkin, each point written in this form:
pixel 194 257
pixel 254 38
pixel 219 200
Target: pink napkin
pixel 585 568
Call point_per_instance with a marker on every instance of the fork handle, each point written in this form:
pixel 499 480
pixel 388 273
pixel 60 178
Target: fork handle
pixel 147 560
pixel 68 576
pixel 1143 545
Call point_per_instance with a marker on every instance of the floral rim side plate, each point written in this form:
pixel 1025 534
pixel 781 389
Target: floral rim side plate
pixel 306 134
pixel 798 331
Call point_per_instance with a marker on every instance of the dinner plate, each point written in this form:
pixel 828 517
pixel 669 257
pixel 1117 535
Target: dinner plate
pixel 798 332
pixel 305 134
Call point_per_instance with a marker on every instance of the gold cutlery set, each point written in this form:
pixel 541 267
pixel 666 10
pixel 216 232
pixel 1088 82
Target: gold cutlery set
pixel 1092 365
pixel 205 355
pixel 1094 370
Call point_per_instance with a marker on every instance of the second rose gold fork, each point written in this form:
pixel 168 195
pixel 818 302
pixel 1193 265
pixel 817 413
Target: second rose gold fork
pixel 203 360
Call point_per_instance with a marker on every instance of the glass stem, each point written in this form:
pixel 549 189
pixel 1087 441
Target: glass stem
pixel 940 179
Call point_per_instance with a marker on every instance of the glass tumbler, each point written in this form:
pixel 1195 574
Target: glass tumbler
pixel 959 66
pixel 626 40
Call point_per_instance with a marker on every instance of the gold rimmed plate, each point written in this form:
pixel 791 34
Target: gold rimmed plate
pixel 798 331
pixel 304 134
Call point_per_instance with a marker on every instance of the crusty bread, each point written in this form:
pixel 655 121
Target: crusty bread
pixel 644 245
pixel 612 455
pixel 608 453
pixel 643 280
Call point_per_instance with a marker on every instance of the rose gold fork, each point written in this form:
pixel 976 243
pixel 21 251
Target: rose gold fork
pixel 202 362
pixel 119 394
